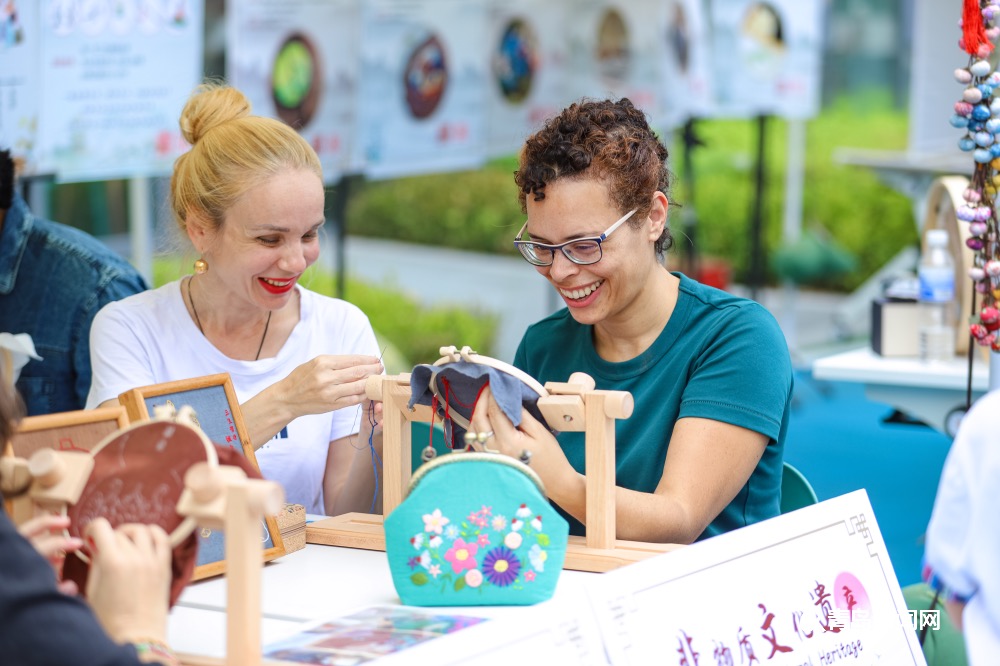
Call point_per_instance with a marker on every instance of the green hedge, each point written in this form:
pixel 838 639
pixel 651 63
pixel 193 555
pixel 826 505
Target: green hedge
pixel 479 210
pixel 414 333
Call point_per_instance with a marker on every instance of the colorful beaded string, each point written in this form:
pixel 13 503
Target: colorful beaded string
pixel 978 113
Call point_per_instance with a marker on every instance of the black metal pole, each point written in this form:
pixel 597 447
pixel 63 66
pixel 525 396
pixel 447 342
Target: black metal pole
pixel 689 217
pixel 338 212
pixel 756 268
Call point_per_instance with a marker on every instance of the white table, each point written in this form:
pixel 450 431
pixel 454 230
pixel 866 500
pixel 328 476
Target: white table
pixel 934 392
pixel 313 584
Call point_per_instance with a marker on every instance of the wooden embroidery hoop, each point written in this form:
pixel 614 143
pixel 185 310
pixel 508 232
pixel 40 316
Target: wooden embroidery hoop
pixel 216 497
pixel 574 405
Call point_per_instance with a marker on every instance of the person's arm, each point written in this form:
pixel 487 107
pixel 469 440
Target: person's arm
pixel 706 465
pixel 31 606
pixel 129 582
pixel 324 384
pixel 353 478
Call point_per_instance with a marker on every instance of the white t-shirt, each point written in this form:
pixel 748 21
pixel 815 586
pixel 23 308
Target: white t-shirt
pixel 149 338
pixel 963 537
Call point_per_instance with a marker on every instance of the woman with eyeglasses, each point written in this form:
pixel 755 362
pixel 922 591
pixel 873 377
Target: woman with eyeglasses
pixel 710 373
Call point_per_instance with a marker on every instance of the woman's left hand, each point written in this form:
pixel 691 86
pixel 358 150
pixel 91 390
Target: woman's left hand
pixel 529 442
pixel 47 534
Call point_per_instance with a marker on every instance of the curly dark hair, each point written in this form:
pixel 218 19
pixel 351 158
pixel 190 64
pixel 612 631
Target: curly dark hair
pixel 603 139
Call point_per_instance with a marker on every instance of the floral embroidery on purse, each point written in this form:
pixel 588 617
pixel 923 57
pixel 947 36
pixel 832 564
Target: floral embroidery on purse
pixel 475 529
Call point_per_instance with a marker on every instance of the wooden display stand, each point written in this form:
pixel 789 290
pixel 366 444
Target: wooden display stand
pixel 574 405
pixel 214 497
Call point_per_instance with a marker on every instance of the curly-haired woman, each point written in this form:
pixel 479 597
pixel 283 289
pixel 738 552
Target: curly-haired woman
pixel 709 372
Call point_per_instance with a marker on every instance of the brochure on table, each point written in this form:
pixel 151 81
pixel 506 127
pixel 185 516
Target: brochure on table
pixel 114 81
pixel 811 587
pixel 299 62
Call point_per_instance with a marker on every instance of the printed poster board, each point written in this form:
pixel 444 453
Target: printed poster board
pixel 20 48
pixel 814 586
pixel 527 83
pixel 299 62
pixel 115 76
pixel 685 89
pixel 423 97
pixel 615 51
pixel 766 57
pixel 217 413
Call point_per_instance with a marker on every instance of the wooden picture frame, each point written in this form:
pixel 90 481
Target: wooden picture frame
pixel 217 413
pixel 79 430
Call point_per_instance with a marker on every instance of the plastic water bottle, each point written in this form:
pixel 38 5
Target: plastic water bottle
pixel 937 299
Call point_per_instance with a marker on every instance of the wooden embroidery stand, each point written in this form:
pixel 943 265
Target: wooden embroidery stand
pixel 224 498
pixel 214 497
pixel 574 405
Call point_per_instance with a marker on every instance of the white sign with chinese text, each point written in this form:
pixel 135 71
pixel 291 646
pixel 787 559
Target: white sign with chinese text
pixel 115 77
pixel 19 80
pixel 299 62
pixel 809 588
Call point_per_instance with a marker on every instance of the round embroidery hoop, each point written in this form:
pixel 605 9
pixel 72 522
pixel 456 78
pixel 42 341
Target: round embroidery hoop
pixel 138 477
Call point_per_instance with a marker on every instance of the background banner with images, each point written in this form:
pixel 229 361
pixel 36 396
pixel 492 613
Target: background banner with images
pixel 610 51
pixel 114 80
pixel 299 62
pixel 20 49
pixel 685 89
pixel 814 586
pixel 766 57
pixel 422 104
pixel 527 58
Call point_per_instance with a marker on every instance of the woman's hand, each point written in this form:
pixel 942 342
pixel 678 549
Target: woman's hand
pixel 129 582
pixel 531 442
pixel 327 383
pixel 320 385
pixel 47 534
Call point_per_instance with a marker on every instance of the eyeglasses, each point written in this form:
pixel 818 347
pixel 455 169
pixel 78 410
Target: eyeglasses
pixel 582 251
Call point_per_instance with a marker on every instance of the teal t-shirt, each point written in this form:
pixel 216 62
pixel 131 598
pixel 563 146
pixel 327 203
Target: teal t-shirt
pixel 719 357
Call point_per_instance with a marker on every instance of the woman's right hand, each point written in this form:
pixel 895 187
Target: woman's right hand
pixel 327 383
pixel 129 582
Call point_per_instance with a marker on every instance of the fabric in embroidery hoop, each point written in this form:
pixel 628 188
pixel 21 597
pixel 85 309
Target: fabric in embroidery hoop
pixel 452 386
pixel 138 477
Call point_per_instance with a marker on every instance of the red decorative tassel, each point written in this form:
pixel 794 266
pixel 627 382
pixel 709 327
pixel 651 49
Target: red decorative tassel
pixel 973 32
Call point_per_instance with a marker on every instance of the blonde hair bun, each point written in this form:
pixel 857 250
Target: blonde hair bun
pixel 210 105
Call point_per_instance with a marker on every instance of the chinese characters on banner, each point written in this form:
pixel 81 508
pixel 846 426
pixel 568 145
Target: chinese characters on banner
pixel 815 587
pixel 114 77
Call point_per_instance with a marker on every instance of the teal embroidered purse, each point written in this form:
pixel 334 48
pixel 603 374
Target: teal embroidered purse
pixel 475 529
